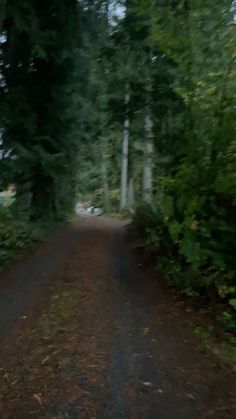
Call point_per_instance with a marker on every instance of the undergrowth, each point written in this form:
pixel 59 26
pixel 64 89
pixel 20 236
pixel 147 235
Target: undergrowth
pixel 196 256
pixel 18 234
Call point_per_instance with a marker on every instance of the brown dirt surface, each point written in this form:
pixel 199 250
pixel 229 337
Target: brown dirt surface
pixel 106 341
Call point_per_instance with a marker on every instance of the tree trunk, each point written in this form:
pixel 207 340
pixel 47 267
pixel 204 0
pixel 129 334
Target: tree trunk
pixel 125 151
pixel 147 158
pixel 42 198
pixel 105 185
pixel 131 194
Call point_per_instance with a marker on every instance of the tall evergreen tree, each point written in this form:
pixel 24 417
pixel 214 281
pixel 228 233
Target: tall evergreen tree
pixel 37 70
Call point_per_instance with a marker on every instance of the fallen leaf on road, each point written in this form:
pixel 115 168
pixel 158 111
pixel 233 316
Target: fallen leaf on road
pixel 14 382
pixel 45 360
pixel 147 383
pixel 191 397
pixel 145 331
pixel 38 398
pixel 6 376
pixel 134 355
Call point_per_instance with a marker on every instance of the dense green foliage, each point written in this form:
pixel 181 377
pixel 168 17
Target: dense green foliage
pixel 192 221
pixel 18 234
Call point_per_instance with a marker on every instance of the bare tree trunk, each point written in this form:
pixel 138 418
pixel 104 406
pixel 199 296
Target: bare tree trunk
pixel 131 194
pixel 147 158
pixel 105 185
pixel 125 151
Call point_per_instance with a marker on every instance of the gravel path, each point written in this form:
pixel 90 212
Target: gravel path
pixel 135 356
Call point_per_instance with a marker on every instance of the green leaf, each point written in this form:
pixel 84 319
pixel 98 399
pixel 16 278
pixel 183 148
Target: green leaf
pixel 232 302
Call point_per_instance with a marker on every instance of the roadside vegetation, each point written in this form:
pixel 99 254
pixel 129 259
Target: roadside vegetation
pixel 18 234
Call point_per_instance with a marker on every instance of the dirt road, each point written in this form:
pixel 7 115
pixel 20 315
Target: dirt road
pixel 109 342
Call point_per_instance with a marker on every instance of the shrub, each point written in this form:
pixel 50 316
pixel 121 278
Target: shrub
pixel 16 234
pixel 194 245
